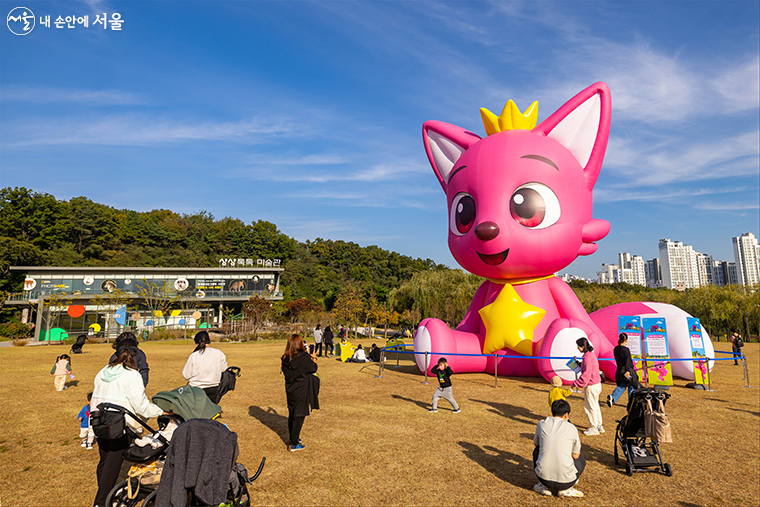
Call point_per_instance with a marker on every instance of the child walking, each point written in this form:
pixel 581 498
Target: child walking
pixel 60 371
pixel 557 392
pixel 85 430
pixel 443 371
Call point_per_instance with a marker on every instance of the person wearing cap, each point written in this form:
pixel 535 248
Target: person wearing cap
pixel 129 339
pixel 204 367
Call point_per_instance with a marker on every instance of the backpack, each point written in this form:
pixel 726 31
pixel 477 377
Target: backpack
pixel 738 342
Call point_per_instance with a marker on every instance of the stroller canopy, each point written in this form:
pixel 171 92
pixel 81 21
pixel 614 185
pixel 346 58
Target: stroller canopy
pixel 188 402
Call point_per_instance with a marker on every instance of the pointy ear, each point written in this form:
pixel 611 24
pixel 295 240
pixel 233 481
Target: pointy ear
pixel 444 144
pixel 582 126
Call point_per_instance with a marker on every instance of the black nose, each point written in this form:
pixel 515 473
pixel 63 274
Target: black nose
pixel 486 231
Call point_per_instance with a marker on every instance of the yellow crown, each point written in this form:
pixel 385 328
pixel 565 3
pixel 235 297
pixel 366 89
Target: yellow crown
pixel 510 119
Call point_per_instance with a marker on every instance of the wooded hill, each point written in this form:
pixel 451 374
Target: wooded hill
pixel 36 229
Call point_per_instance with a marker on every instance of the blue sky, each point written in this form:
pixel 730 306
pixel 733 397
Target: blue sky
pixel 309 114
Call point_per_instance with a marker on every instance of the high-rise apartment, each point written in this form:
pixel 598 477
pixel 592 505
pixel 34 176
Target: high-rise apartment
pixel 652 273
pixel 678 264
pixel 634 263
pixel 746 259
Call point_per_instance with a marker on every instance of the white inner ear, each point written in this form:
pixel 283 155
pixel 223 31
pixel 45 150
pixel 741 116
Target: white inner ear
pixel 577 131
pixel 445 153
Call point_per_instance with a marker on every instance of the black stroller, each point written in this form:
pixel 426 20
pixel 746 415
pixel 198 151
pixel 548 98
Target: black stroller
pixel 641 452
pixel 77 347
pixel 144 476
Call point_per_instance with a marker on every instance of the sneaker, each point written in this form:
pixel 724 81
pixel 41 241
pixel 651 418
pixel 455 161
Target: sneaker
pixel 591 432
pixel 84 443
pixel 541 489
pixel 89 447
pixel 299 447
pixel 570 492
pixel 433 410
pixel 600 429
pixel 455 411
pixel 609 401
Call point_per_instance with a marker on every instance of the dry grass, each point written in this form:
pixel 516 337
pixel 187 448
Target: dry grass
pixel 373 442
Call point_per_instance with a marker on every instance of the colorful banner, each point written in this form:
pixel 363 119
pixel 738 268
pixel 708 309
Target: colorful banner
pixel 659 369
pixel 632 327
pixel 701 369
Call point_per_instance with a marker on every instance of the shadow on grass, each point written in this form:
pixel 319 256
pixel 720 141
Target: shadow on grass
pixel 519 414
pixel 595 456
pixel 756 414
pixel 374 369
pixel 506 466
pixel 72 383
pixel 420 404
pixel 272 420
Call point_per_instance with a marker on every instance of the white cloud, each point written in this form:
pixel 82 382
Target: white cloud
pixel 613 194
pixel 41 94
pixel 738 86
pixel 728 206
pixel 143 130
pixel 677 160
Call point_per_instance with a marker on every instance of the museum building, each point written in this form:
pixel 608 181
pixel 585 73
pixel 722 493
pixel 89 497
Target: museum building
pixel 105 301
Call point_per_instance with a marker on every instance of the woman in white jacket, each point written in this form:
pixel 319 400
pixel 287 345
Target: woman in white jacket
pixel 119 383
pixel 204 367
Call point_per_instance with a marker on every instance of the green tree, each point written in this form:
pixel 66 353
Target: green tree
pixel 443 294
pixel 257 311
pixel 349 308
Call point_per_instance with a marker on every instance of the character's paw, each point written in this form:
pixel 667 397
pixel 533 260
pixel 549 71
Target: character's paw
pixel 559 343
pixel 435 337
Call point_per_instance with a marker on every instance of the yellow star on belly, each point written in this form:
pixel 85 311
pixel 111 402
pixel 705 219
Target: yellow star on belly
pixel 510 322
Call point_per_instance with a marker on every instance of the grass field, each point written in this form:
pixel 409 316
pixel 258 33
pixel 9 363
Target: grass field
pixel 374 443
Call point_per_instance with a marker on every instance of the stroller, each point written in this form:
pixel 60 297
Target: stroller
pixel 642 454
pixel 77 347
pixel 144 476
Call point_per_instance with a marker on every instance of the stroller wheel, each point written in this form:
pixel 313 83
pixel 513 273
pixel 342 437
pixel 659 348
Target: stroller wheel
pixel 668 470
pixel 119 495
pixel 628 469
pixel 150 500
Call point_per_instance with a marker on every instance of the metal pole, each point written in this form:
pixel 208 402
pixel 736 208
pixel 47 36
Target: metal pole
pixel 746 370
pixel 397 355
pixel 495 374
pixel 709 374
pixel 426 367
pixel 382 361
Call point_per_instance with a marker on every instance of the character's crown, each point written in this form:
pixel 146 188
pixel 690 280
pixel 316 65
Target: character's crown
pixel 510 119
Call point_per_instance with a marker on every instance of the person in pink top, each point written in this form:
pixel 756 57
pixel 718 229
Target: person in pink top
pixel 591 382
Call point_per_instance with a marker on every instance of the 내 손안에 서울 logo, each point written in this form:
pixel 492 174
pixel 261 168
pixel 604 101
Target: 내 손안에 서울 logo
pixel 20 21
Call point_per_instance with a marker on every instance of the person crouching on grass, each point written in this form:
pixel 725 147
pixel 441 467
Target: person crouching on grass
pixel 443 371
pixel 557 459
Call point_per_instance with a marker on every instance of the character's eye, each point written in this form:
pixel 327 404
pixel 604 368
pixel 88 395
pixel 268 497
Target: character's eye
pixel 462 214
pixel 535 206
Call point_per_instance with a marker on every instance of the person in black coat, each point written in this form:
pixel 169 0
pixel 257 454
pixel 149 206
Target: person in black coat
pixel 327 337
pixel 129 339
pixel 625 375
pixel 301 387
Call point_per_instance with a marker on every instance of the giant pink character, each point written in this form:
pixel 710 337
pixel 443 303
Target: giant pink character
pixel 520 209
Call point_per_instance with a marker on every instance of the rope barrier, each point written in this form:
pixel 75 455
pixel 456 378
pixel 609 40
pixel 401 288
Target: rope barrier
pixel 397 349
pixel 393 349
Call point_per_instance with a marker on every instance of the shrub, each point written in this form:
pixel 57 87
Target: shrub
pixel 170 334
pixel 13 329
pixel 20 343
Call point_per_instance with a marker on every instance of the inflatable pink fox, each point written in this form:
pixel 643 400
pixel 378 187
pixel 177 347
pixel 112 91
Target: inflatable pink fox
pixel 520 209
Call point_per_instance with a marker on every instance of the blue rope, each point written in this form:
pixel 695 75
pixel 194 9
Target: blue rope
pixel 394 349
